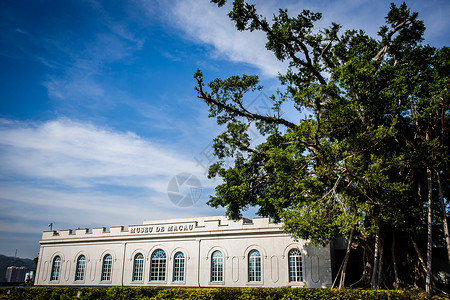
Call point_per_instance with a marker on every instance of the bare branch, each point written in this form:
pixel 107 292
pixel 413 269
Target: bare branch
pixel 242 113
pixel 389 38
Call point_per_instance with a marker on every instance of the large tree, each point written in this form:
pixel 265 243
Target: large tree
pixel 366 158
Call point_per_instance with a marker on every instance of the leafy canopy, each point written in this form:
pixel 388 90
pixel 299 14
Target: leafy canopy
pixel 372 115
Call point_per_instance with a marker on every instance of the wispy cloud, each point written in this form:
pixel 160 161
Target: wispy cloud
pixel 82 76
pixel 64 150
pixel 79 59
pixel 79 174
pixel 204 23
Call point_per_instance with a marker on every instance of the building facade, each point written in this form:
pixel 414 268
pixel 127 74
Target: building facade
pixel 197 252
pixel 15 274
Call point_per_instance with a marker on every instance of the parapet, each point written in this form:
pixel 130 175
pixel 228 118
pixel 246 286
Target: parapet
pixel 192 226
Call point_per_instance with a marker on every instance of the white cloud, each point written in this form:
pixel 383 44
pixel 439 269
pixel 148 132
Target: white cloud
pixel 79 174
pixel 80 63
pixel 64 150
pixel 205 23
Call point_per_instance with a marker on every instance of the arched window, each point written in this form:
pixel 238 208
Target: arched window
pixel 295 266
pixel 254 266
pixel 178 267
pixel 106 267
pixel 56 265
pixel 138 267
pixel 158 266
pixel 217 266
pixel 81 266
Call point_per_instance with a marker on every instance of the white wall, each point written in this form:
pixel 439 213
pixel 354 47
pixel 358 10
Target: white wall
pixel 234 239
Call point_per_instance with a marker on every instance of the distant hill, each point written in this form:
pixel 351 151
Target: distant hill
pixel 8 261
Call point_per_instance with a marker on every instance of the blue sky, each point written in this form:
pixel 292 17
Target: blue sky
pixel 98 110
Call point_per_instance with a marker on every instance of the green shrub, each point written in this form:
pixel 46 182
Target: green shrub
pixel 151 293
pixel 263 293
pixel 116 293
pixel 132 293
pixel 199 293
pixel 41 293
pixel 91 293
pixel 350 294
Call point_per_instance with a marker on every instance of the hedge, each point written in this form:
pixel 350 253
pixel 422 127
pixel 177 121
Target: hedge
pixel 151 293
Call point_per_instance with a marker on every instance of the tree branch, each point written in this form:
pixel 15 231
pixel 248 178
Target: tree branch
pixel 308 64
pixel 242 113
pixel 389 38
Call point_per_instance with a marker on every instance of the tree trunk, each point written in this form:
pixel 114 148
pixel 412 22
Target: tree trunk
pixel 364 281
pixel 394 262
pixel 337 275
pixel 380 264
pixel 374 282
pixel 430 235
pixel 417 273
pixel 347 255
pixel 419 255
pixel 444 215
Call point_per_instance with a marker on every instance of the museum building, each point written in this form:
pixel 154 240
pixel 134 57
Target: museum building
pixel 195 252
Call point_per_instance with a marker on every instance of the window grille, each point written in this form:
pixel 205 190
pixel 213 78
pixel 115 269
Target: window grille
pixel 158 266
pixel 217 266
pixel 254 266
pixel 138 267
pixel 106 267
pixel 178 267
pixel 295 266
pixel 55 268
pixel 81 266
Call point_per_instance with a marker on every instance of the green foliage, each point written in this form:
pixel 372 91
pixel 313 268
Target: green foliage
pixel 41 293
pixel 265 293
pixel 199 293
pixel 92 293
pixel 351 294
pixel 373 116
pixel 147 293
pixel 130 292
pixel 111 293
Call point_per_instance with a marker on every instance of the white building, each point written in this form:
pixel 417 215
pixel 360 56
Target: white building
pixel 29 276
pixel 205 252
